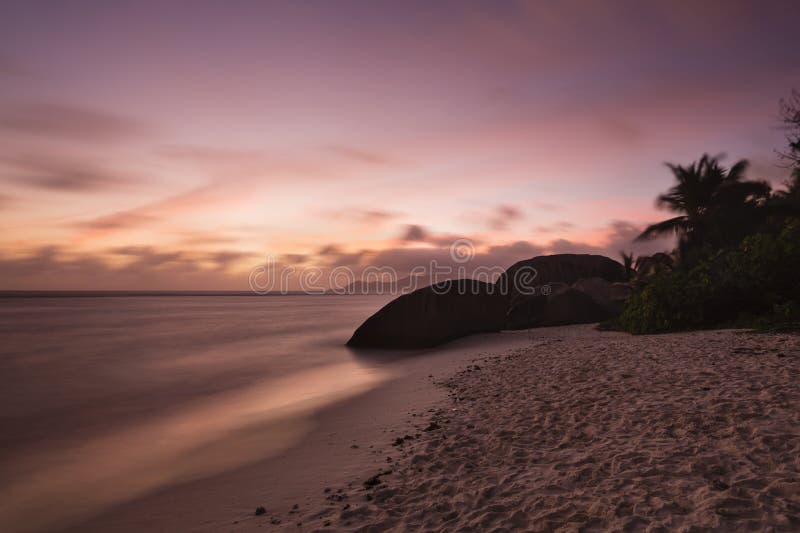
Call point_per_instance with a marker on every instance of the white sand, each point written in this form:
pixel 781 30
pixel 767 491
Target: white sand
pixel 576 430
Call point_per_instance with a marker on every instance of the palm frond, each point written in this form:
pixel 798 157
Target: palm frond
pixel 665 227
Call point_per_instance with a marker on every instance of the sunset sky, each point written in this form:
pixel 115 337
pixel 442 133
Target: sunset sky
pixel 174 145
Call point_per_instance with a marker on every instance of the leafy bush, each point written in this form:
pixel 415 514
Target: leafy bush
pixel 671 301
pixel 765 267
pixel 758 280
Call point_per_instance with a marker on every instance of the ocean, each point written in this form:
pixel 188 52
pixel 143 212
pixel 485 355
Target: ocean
pixel 119 395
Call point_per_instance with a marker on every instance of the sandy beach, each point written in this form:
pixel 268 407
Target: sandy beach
pixel 567 429
pixel 596 431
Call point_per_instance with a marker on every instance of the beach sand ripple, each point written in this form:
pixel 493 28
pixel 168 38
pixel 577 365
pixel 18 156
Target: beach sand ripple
pixel 590 431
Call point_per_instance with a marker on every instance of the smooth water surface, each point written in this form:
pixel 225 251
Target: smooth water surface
pixel 105 398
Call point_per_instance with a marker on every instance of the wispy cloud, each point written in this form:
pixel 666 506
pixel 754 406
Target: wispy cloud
pixel 204 238
pixel 360 155
pixel 294 259
pixel 546 206
pixel 68 123
pixel 144 267
pixel 503 216
pixel 149 267
pixel 617 236
pixel 561 225
pixel 332 255
pixel 115 221
pixel 414 233
pixel 61 174
pixel 360 215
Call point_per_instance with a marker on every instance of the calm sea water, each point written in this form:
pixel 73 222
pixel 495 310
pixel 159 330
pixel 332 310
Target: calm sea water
pixel 119 395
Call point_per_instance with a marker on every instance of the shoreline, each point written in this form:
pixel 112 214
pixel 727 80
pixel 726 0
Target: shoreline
pixel 597 431
pixel 572 428
pixel 323 457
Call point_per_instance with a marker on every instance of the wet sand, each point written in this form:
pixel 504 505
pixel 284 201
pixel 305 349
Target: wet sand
pixel 339 444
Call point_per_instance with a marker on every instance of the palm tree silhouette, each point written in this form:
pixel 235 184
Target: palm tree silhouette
pixel 709 198
pixel 628 262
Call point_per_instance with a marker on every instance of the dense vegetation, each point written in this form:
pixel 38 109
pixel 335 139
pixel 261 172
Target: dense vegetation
pixel 737 261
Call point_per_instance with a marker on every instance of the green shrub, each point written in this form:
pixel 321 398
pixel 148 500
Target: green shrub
pixel 757 281
pixel 677 300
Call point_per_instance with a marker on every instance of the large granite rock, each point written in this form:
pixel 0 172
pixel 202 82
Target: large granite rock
pixel 561 289
pixel 557 289
pixel 571 306
pixel 522 276
pixel 611 296
pixel 559 308
pixel 523 312
pixel 433 315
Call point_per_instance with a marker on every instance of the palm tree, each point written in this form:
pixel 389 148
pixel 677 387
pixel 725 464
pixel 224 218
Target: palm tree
pixel 647 265
pixel 790 117
pixel 628 262
pixel 786 203
pixel 708 197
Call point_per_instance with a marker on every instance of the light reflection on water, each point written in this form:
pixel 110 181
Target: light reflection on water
pixel 104 399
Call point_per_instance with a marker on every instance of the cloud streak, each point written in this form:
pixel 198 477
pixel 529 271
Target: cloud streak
pixel 146 268
pixel 503 217
pixel 360 155
pixel 67 122
pixel 361 215
pixel 619 236
pixel 61 174
pixel 117 221
pixel 414 233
